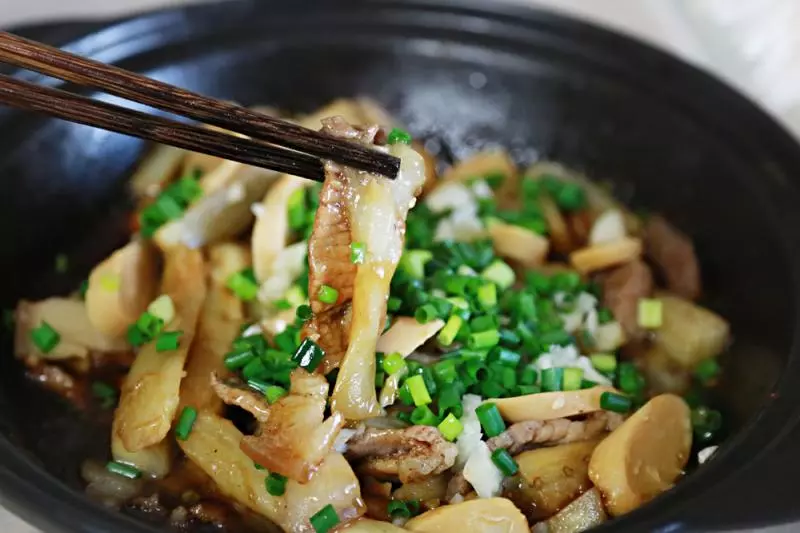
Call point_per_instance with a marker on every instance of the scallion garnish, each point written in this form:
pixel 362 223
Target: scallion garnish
pixel 483 340
pixel 124 470
pixel 649 313
pixel 168 340
pixel 448 333
pixel 418 390
pixel 394 363
pixel 275 393
pixel 617 403
pixel 185 423
pixel 105 393
pixel 304 312
pixel 398 136
pixel 398 509
pixel 572 379
pixel 45 337
pixel 325 519
pixel 707 371
pixel 308 355
pixel 244 285
pixel 491 421
pixel 276 484
pixel 603 362
pixel 327 294
pixel 358 253
pixel 552 379
pixel 451 427
pixel 504 462
pixel 425 314
pixel 423 416
pixel 500 273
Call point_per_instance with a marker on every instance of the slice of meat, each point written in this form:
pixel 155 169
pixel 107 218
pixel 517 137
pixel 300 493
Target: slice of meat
pixel 674 255
pixel 294 437
pixel 623 287
pixel 524 435
pixel 370 210
pixel 457 486
pixel 410 454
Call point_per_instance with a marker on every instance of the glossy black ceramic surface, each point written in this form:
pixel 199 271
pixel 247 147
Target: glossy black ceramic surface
pixel 463 75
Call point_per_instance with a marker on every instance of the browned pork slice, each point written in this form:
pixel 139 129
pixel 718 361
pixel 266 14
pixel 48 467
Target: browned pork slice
pixel 623 287
pixel 357 208
pixel 410 454
pixel 525 435
pixel 673 253
pixel 294 437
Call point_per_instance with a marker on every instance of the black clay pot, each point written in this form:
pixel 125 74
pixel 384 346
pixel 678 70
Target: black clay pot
pixel 462 75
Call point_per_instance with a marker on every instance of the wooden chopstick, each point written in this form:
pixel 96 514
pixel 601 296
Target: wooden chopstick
pixel 83 110
pixel 57 63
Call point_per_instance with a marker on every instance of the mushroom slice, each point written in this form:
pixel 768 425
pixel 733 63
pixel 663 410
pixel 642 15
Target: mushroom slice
pixel 406 335
pixel 488 515
pixel 605 255
pixel 333 484
pixel 551 405
pixel 121 287
pixel 78 337
pixel 644 456
pixel 522 245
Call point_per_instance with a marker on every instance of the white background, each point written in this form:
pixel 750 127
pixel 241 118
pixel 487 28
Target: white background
pixel 661 22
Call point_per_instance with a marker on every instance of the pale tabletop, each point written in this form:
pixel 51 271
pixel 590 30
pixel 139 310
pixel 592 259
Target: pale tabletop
pixel 651 20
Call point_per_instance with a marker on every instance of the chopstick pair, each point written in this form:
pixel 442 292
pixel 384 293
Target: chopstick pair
pixel 273 143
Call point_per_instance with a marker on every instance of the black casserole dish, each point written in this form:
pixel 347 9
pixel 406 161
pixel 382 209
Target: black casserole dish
pixel 669 137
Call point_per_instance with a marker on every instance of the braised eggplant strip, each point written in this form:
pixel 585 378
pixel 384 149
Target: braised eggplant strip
pixel 495 349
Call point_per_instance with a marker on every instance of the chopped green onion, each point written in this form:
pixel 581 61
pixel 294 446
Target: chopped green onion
pixel 449 399
pixel 124 470
pixel 451 427
pixel 445 371
pixel 505 357
pixel 135 336
pixel 185 423
pixel 169 340
pixel 500 273
pixel 491 421
pixel 570 197
pixel 509 338
pixel 404 395
pixel 423 416
pixel 304 312
pixel 630 379
pixel 413 262
pixel 504 462
pixel 448 333
pixel 604 362
pixel 528 376
pixel 706 423
pixel 425 314
pixel 84 286
pixel 617 403
pixel 604 315
pixel 296 209
pixel 238 359
pixel 150 325
pixel 398 136
pixel 254 369
pixel 459 303
pixel 105 393
pixel 276 484
pixel 393 304
pixel 394 363
pixel 275 393
pixel 258 385
pixel 244 285
pixel 483 339
pixel 572 379
pixel 487 295
pixel 398 509
pixel 62 263
pixel 650 313
pixel 524 390
pixel 45 337
pixel 162 307
pixel 327 294
pixel 358 253
pixel 308 355
pixel 706 371
pixel 476 370
pixel 552 379
pixel 586 384
pixel 418 390
pixel 325 519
